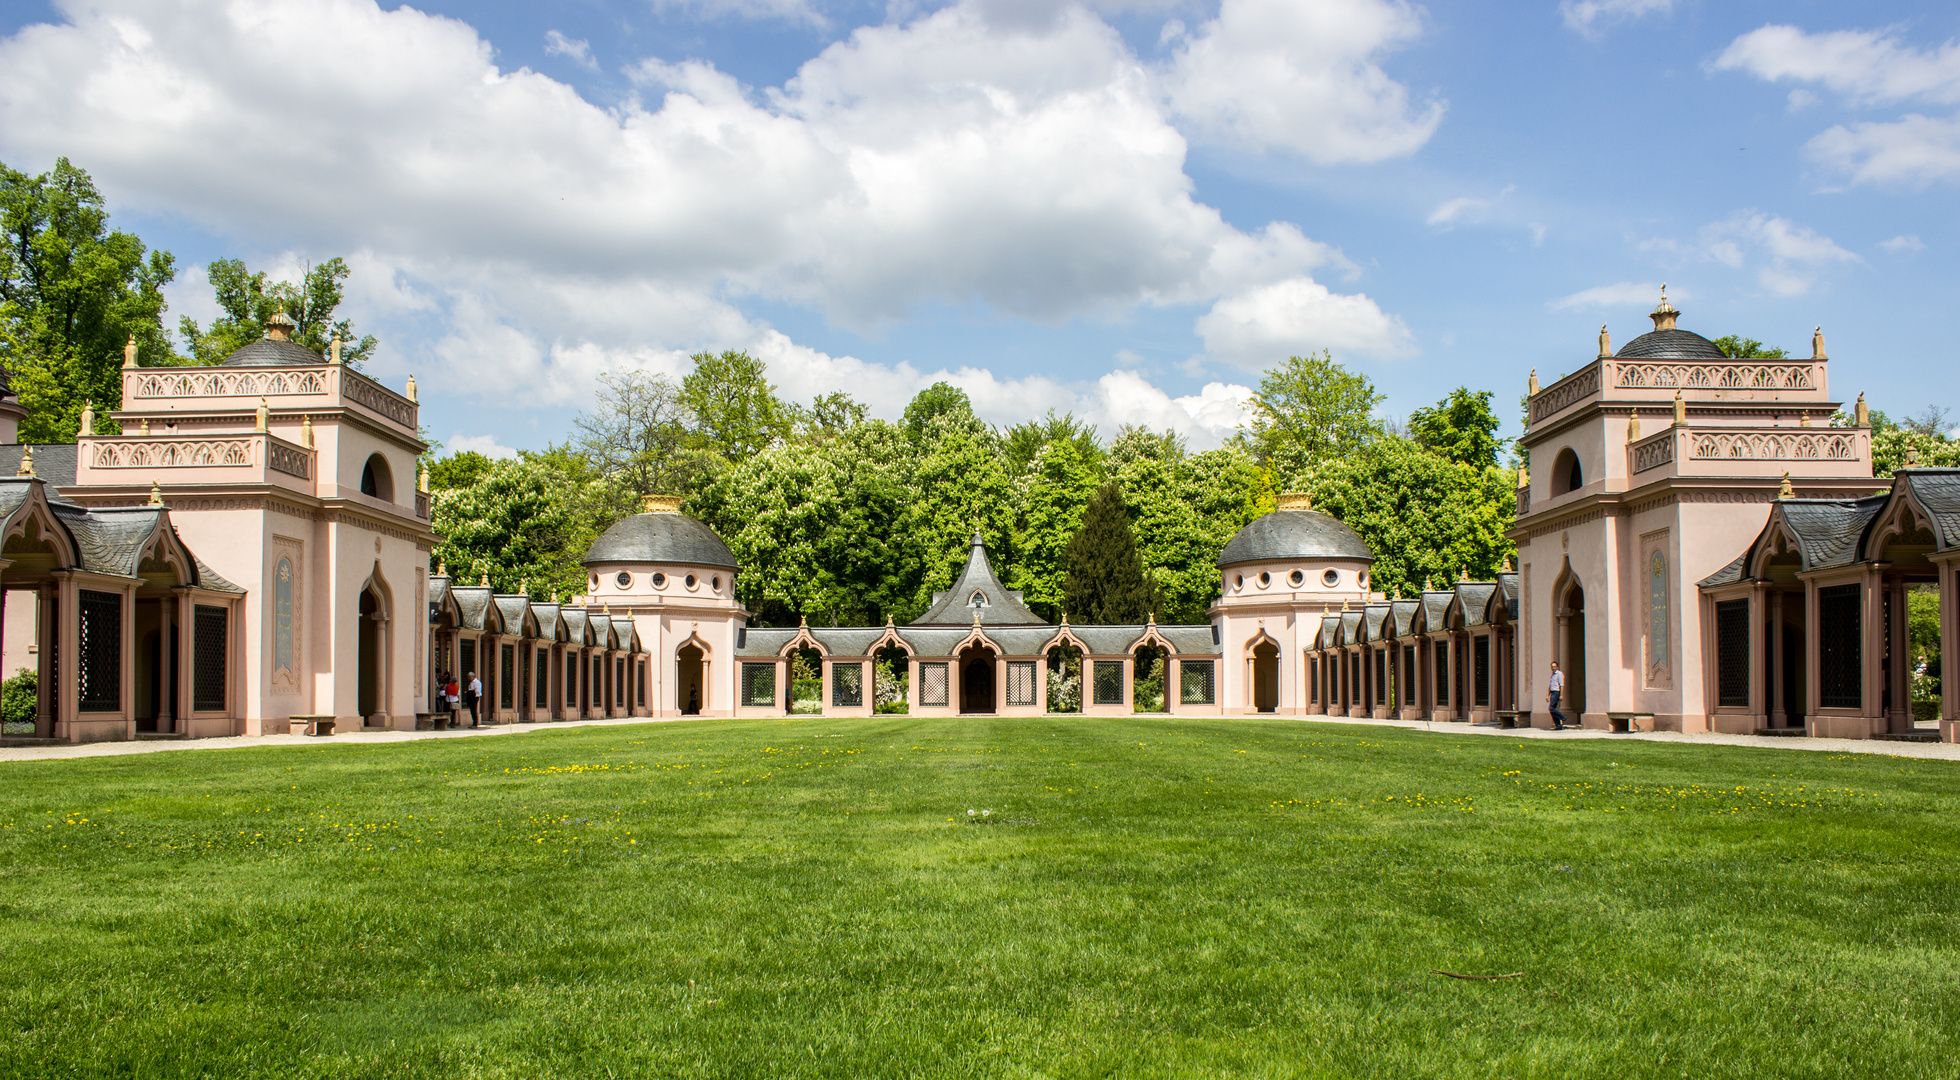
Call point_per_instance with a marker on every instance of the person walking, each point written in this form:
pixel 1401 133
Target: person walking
pixel 471 694
pixel 1554 687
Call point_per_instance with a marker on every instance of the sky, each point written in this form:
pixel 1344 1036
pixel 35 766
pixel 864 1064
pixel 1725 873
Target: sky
pixel 1127 209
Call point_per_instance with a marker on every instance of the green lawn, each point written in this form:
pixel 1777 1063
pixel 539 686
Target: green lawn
pixel 1147 897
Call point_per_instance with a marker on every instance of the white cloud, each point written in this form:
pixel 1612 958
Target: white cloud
pixel 1589 16
pixel 577 50
pixel 487 445
pixel 1302 78
pixel 1788 257
pixel 795 11
pixel 1913 149
pixel 1905 243
pixel 1447 213
pixel 1620 294
pixel 1264 326
pixel 1865 66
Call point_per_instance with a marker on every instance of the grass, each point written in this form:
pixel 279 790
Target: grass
pixel 1147 898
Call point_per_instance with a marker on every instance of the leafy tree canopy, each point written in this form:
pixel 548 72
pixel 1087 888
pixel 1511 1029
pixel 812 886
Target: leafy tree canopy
pixel 72 293
pixel 636 438
pixel 732 410
pixel 513 525
pixel 1106 583
pixel 1742 348
pixel 1425 517
pixel 1462 428
pixel 941 399
pixel 1310 410
pixel 250 298
pixel 1025 442
pixel 458 470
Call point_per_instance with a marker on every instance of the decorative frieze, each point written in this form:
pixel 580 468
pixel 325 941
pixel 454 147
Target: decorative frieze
pixel 1565 393
pixel 1633 375
pixel 369 396
pixel 1820 446
pixel 1653 453
pixel 229 384
pixel 290 460
pixel 164 453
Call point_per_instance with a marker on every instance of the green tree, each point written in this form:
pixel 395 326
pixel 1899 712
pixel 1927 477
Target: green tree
pixel 1184 508
pixel 636 438
pixel 458 470
pixel 1742 348
pixel 732 410
pixel 1054 494
pixel 72 293
pixel 1462 427
pixel 1308 411
pixel 941 399
pixel 513 525
pixel 776 510
pixel 250 298
pixel 829 417
pixel 1106 583
pixel 1424 516
pixel 959 483
pixel 1025 442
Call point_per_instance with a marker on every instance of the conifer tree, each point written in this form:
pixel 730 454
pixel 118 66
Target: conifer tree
pixel 1105 577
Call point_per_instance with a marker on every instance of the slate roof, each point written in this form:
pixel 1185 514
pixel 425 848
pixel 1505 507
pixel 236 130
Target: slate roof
pixel 576 630
pixel 1373 618
pixel 1294 534
pixel 1402 616
pixel 1330 632
pixel 1350 622
pixel 474 602
pixel 513 608
pixel 1000 607
pixel 53 462
pixel 1436 610
pixel 1828 531
pixel 548 622
pixel 1834 532
pixel 1192 640
pixel 1671 344
pixel 766 642
pixel 1938 491
pixel 438 588
pixel 1732 574
pixel 1475 596
pixel 266 352
pixel 660 538
pixel 933 642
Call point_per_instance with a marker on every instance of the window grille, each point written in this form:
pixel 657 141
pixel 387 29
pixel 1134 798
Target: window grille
pixel 1480 654
pixel 1732 653
pixel 619 682
pixel 1020 682
pixel 469 661
pixel 1194 682
pixel 1840 616
pixel 208 647
pixel 1442 651
pixel 932 684
pixel 507 677
pixel 643 684
pixel 758 684
pixel 1354 678
pixel 101 652
pixel 1313 679
pixel 1380 688
pixel 543 695
pixel 598 684
pixel 1408 672
pixel 1109 682
pixel 847 685
pixel 571 682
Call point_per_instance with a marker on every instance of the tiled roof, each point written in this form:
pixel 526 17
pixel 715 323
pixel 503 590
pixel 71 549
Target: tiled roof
pixel 1828 531
pixel 1294 534
pixel 998 606
pixel 1731 574
pixel 266 352
pixel 1475 596
pixel 1938 491
pixel 1670 344
pixel 1402 614
pixel 660 538
pixel 53 462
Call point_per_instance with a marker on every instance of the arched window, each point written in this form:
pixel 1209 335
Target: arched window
pixel 977 600
pixel 1567 476
pixel 376 480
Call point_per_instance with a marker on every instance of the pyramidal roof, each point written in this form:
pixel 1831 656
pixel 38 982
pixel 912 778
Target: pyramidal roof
pixel 978 591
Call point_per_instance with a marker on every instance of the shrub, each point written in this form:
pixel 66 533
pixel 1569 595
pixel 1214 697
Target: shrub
pixel 18 700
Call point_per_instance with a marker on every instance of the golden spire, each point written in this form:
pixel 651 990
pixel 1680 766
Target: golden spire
pixel 802 621
pixel 1064 617
pixel 1153 618
pixel 1680 410
pixel 1508 568
pixel 1633 426
pixel 1664 315
pixel 1817 345
pixel 1605 341
pixel 26 461
pixel 1784 491
pixel 156 493
pixel 1463 574
pixel 484 581
pixel 442 568
pixel 524 585
pixel 888 620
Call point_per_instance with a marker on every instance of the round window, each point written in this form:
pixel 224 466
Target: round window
pixel 715 583
pixel 624 579
pixel 1361 579
pixel 1239 582
pixel 1331 578
pixel 595 583
pixel 1296 578
pixel 690 581
pixel 659 580
pixel 1265 579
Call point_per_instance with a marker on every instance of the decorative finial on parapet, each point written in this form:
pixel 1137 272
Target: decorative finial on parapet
pixel 802 621
pixel 1784 490
pixel 1862 412
pixel 145 429
pixel 1605 341
pixel 156 493
pixel 264 414
pixel 484 581
pixel 1803 418
pixel 888 620
pixel 524 585
pixel 1064 617
pixel 1463 573
pixel 976 616
pixel 1344 606
pixel 1633 426
pixel 1532 387
pixel 1524 476
pixel 410 393
pixel 422 481
pixel 1153 619
pixel 26 461
pixel 306 433
pixel 1665 315
pixel 1294 500
pixel 442 568
pixel 1680 410
pixel 88 418
pixel 1508 568
pixel 1817 345
pixel 333 349
pixel 129 352
pixel 1912 456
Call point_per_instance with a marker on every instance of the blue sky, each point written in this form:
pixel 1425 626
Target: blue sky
pixel 1127 209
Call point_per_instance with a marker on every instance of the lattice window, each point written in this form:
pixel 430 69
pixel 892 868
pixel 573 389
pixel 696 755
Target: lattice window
pixel 1442 651
pixel 643 684
pixel 1480 664
pixel 1313 679
pixel 1732 653
pixel 599 683
pixel 619 682
pixel 1408 671
pixel 933 684
pixel 758 684
pixel 507 677
pixel 1109 682
pixel 1195 682
pixel 543 695
pixel 1381 677
pixel 1020 682
pixel 1840 615
pixel 847 685
pixel 469 661
pixel 101 652
pixel 571 681
pixel 209 647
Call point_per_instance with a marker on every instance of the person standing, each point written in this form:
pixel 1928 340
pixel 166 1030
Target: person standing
pixel 452 696
pixel 471 695
pixel 1554 687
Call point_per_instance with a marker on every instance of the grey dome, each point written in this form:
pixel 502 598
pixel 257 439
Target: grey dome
pixel 660 538
pixel 1670 344
pixel 1295 534
pixel 266 352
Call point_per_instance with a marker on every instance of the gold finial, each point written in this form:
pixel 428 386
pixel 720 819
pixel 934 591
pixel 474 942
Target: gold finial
pixel 1524 476
pixel 1862 411
pixel 1633 426
pixel 156 493
pixel 1680 410
pixel 333 349
pixel 88 418
pixel 554 596
pixel 306 433
pixel 1803 418
pixel 660 504
pixel 976 616
pixel 1665 315
pixel 26 461
pixel 1605 341
pixel 1426 584
pixel 1294 500
pixel 802 621
pixel 1463 574
pixel 410 394
pixel 146 425
pixel 1344 603
pixel 422 481
pixel 280 327
pixel 1912 455
pixel 264 414
pixel 442 568
pixel 1153 618
pixel 484 581
pixel 1784 490
pixel 1532 387
pixel 1817 345
pixel 524 585
pixel 1064 617
pixel 129 352
pixel 1508 568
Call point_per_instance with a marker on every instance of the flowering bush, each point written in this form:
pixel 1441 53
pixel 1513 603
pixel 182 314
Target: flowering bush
pixel 889 695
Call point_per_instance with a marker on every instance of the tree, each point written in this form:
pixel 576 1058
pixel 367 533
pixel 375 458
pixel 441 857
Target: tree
pixel 1106 583
pixel 72 293
pixel 250 298
pixel 1742 348
pixel 1462 427
pixel 732 410
pixel 1424 516
pixel 459 470
pixel 1054 494
pixel 1184 508
pixel 513 525
pixel 958 483
pixel 1308 411
pixel 636 438
pixel 1025 442
pixel 941 399
pixel 829 417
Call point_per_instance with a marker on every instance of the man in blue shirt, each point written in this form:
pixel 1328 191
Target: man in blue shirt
pixel 1553 688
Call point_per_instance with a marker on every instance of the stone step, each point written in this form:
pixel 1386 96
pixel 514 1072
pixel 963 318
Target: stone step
pixel 1909 736
pixel 29 740
pixel 157 736
pixel 1780 732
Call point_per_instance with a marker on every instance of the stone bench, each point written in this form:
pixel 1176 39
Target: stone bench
pixel 1508 718
pixel 1630 721
pixel 311 724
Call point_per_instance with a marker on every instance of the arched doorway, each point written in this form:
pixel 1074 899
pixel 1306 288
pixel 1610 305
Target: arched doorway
pixel 1265 677
pixel 1573 615
pixel 689 692
pixel 977 680
pixel 368 662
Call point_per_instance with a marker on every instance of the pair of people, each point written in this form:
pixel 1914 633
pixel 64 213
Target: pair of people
pixel 459 697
